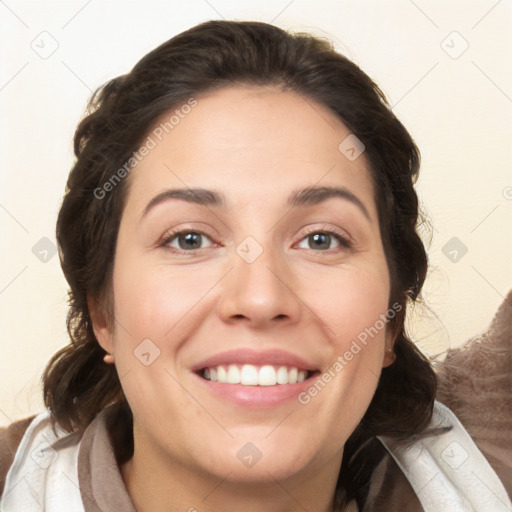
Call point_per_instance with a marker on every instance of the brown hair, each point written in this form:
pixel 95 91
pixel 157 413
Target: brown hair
pixel 77 384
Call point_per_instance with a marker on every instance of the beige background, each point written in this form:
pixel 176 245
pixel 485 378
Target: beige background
pixel 455 101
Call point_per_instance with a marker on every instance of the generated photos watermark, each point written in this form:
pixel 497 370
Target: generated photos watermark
pixel 150 143
pixel 343 360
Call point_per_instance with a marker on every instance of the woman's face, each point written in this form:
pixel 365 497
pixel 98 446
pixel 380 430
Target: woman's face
pixel 277 274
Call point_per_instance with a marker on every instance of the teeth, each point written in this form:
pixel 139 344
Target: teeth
pixel 233 376
pixel 222 376
pixel 282 375
pixel 250 375
pixel 267 376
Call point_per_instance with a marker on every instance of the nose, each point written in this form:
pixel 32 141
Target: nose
pixel 260 294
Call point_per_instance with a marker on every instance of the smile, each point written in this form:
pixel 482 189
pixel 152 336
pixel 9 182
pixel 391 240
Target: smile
pixel 255 378
pixel 252 375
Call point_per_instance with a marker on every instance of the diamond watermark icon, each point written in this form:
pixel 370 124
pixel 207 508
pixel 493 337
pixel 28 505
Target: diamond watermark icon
pixel 44 250
pixel 454 455
pixel 454 249
pixel 43 455
pixel 44 44
pixel 351 147
pixel 454 45
pixel 249 249
pixel 146 352
pixel 249 455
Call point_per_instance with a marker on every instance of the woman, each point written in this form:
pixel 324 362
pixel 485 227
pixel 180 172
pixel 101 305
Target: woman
pixel 239 237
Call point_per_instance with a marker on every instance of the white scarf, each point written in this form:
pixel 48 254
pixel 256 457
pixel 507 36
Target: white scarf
pixel 44 473
pixel 447 472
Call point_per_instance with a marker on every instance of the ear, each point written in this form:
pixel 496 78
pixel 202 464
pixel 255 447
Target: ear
pixel 100 324
pixel 389 354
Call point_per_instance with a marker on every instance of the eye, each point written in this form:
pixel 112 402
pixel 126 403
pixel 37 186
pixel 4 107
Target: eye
pixel 188 241
pixel 323 240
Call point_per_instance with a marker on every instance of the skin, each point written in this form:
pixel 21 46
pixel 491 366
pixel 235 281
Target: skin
pixel 255 145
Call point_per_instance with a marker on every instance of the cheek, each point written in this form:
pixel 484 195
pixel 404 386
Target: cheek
pixel 349 302
pixel 152 301
pixel 151 308
pixel 352 308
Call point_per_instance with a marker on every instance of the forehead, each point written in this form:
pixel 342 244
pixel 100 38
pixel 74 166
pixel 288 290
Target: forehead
pixel 253 145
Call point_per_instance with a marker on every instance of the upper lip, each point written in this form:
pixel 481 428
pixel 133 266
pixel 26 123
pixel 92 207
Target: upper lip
pixel 275 357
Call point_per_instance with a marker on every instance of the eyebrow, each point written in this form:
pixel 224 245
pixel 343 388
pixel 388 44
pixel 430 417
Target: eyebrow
pixel 200 196
pixel 298 198
pixel 315 195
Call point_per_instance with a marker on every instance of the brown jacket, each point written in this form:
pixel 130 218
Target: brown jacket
pixel 475 382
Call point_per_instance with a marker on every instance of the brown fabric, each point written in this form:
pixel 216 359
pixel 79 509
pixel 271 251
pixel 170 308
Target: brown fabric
pixel 475 382
pixel 390 490
pixel 101 483
pixel 10 438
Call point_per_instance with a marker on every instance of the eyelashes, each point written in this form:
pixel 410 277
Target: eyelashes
pixel 187 241
pixel 178 235
pixel 342 239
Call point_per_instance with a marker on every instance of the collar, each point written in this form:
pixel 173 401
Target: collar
pixel 101 483
pixel 448 471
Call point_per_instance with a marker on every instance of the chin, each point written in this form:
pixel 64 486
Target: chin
pixel 265 471
pixel 263 461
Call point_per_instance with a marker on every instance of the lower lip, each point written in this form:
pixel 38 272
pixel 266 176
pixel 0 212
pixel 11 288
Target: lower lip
pixel 257 396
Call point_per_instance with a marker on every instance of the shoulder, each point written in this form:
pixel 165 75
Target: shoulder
pixel 10 439
pixel 475 382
